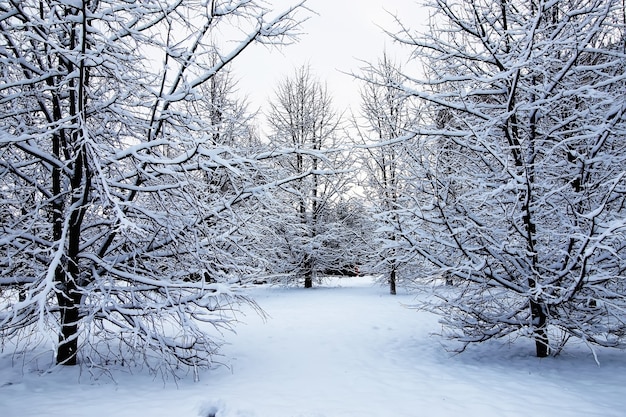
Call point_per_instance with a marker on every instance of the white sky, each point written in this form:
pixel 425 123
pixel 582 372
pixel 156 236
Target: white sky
pixel 334 41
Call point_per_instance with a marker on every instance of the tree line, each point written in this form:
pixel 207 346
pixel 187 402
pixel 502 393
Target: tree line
pixel 138 199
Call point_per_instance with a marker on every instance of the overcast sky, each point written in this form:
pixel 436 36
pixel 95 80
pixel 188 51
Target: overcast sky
pixel 342 33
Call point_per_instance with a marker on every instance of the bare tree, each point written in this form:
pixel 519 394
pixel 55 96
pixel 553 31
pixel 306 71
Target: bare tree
pixel 303 120
pixel 387 118
pixel 110 238
pixel 519 184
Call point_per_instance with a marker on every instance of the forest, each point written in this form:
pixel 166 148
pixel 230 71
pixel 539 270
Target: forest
pixel 140 201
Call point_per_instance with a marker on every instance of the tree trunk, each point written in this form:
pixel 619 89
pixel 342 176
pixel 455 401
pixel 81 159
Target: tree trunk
pixel 541 335
pixel 392 281
pixel 308 272
pixel 68 337
pixel 308 281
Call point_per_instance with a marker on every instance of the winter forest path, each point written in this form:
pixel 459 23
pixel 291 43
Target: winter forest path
pixel 338 345
pixel 344 349
pixel 348 348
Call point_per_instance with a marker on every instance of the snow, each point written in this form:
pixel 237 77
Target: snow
pixel 346 348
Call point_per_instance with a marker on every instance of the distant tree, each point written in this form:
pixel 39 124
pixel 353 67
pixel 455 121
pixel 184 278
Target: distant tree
pixel 384 128
pixel 303 121
pixel 344 239
pixel 519 178
pixel 230 118
pixel 111 230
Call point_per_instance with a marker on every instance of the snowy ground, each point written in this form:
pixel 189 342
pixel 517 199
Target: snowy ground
pixel 344 349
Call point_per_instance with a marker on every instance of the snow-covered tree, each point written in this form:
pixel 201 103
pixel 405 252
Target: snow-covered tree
pixel 232 122
pixel 520 178
pixel 352 237
pixel 302 120
pixel 383 129
pixel 113 230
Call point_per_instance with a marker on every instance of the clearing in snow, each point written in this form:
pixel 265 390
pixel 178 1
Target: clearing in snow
pixel 346 348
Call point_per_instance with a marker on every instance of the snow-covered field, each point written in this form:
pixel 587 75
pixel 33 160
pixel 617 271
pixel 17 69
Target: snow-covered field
pixel 344 349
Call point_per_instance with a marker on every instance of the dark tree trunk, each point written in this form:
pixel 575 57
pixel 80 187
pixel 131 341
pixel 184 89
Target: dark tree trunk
pixel 392 281
pixel 308 272
pixel 68 337
pixel 308 282
pixel 541 335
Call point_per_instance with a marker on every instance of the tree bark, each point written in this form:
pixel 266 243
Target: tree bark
pixel 541 335
pixel 392 281
pixel 308 272
pixel 68 337
pixel 308 282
